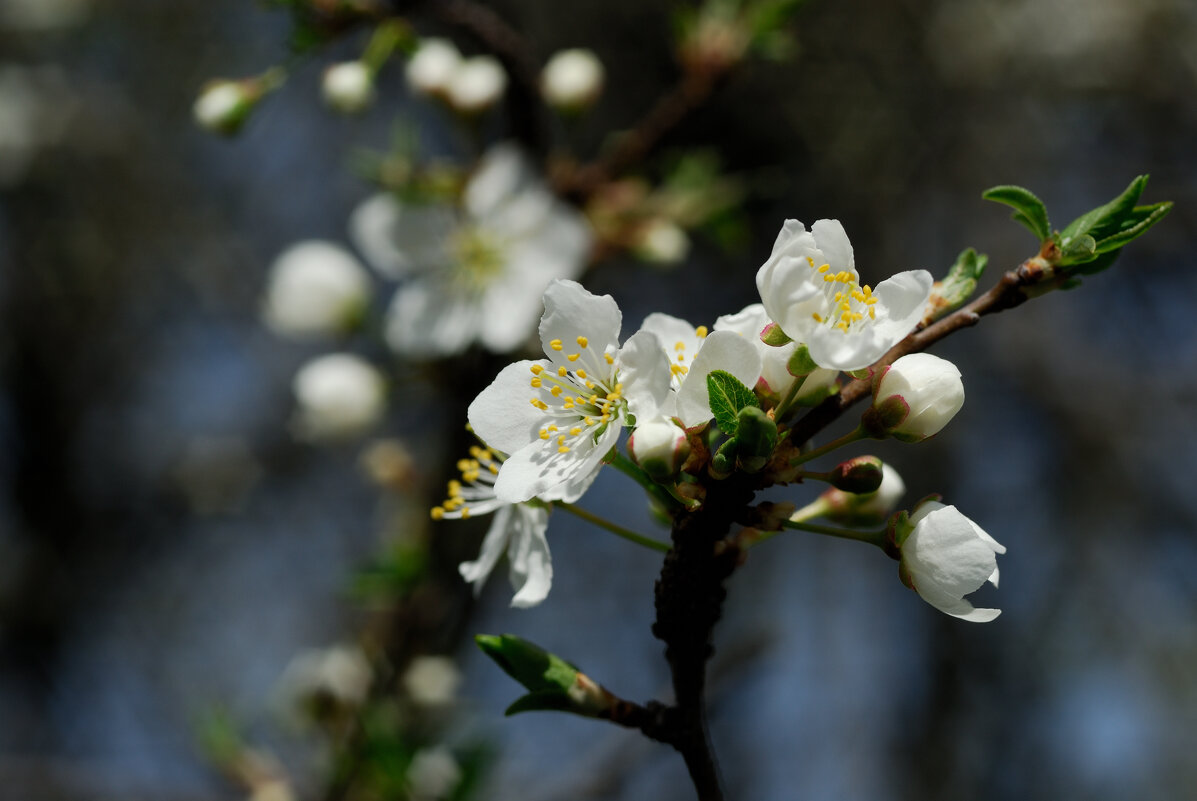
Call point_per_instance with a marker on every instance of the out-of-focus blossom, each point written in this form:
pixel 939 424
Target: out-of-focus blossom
pixel 433 774
pixel 476 85
pixel 315 288
pixel 42 15
pixel 348 87
pixel 432 680
pixel 475 273
pixel 339 395
pixel 223 106
pixel 572 79
pixel 662 242
pixel 340 675
pixel 432 66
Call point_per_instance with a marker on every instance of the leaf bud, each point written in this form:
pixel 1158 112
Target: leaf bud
pixel 552 683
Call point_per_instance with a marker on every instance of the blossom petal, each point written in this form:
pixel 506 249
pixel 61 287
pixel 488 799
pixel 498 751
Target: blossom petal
pixel 956 607
pixel 831 238
pixel 945 552
pixel 644 373
pixel 722 350
pixel 569 312
pixel 493 545
pixel 502 172
pixel 529 563
pixel 903 298
pixel 398 238
pixel 539 467
pixel 502 415
pixel 427 320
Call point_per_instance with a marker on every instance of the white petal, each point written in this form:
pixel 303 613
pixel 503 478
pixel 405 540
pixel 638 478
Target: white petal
pixel 502 415
pixel 539 467
pixel 670 329
pixel 902 298
pixel 956 607
pixel 397 239
pixel 493 546
pixel 558 248
pixel 502 172
pixel 644 373
pixel 569 312
pixel 426 320
pixel 508 313
pixel 831 238
pixel 749 321
pixel 944 551
pixel 530 565
pixel 574 488
pixel 722 350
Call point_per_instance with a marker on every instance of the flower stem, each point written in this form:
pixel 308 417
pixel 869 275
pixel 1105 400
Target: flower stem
pixel 629 468
pixel 619 531
pixel 783 407
pixel 816 508
pixel 872 537
pixel 852 436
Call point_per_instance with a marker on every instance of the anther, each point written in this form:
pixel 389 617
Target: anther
pixel 582 342
pixel 555 344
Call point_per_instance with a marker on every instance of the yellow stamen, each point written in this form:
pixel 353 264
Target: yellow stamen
pixel 701 332
pixel 583 342
pixel 610 359
pixel 536 383
pixel 581 374
pixel 555 344
pixel 561 371
pixel 573 357
pixel 539 404
pixel 537 369
pixel 438 513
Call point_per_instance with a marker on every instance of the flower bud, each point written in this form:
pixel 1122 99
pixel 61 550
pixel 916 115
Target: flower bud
pixel 756 436
pixel 315 288
pixel 914 398
pixel 433 773
pixel 432 680
pixel 223 106
pixel 660 447
pixel 861 475
pixel 945 556
pixel 339 396
pixel 866 509
pixel 572 80
pixel 432 66
pixel 477 84
pixel 552 682
pixel 348 87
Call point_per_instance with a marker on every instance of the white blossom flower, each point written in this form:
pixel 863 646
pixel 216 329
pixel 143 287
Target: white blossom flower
pixel 477 84
pixel 341 673
pixel 339 395
pixel 918 395
pixel 433 774
pixel 776 377
pixel 810 288
pixel 432 680
pixel 222 106
pixel 348 87
pixel 432 66
pixel 945 556
pixel 663 242
pixel 315 288
pixel 558 417
pixel 572 79
pixel 475 273
pixel 693 354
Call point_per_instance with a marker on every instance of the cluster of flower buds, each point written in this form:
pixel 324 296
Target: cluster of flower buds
pixel 468 85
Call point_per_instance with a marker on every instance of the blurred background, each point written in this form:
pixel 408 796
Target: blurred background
pixel 167 546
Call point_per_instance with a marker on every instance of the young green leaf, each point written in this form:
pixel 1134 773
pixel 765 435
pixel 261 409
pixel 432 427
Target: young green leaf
pixel 1028 209
pixel 1105 221
pixel 959 283
pixel 727 396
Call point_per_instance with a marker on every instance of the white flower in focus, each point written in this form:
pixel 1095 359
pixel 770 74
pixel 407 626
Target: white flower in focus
pixel 339 396
pixel 348 87
pixel 693 354
pixel 749 323
pixel 432 66
pixel 340 673
pixel 572 79
pixel 558 417
pixel 433 774
pixel 917 395
pixel 477 84
pixel 809 287
pixel 432 680
pixel 315 288
pixel 518 529
pixel 945 557
pixel 475 274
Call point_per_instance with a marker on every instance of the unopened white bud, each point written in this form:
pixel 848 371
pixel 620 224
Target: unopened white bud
pixel 223 106
pixel 432 66
pixel 660 447
pixel 339 395
pixel 348 87
pixel 866 509
pixel 663 242
pixel 477 84
pixel 945 556
pixel 572 79
pixel 315 288
pixel 916 396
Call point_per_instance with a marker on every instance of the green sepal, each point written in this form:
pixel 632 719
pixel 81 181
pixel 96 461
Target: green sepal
pixel 961 281
pixel 755 439
pixel 1028 209
pixel 724 460
pixel 800 364
pixel 727 396
pixel 774 337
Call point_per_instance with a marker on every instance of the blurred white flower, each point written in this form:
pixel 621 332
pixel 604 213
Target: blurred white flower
pixel 222 106
pixel 477 84
pixel 42 15
pixel 432 66
pixel 432 680
pixel 663 242
pixel 339 395
pixel 945 557
pixel 341 674
pixel 315 288
pixel 476 274
pixel 433 774
pixel 348 87
pixel 572 79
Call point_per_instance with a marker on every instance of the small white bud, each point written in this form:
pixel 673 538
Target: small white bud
pixel 432 680
pixel 477 84
pixel 223 106
pixel 433 774
pixel 339 395
pixel 348 87
pixel 663 242
pixel 660 447
pixel 315 288
pixel 916 396
pixel 572 79
pixel 432 66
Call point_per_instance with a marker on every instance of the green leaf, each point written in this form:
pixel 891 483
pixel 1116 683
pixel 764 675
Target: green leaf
pixel 1104 221
pixel 728 395
pixel 529 664
pixel 542 701
pixel 1134 224
pixel 1028 209
pixel 1096 235
pixel 1079 250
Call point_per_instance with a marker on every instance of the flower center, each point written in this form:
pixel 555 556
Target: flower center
pixel 477 257
pixel 477 494
pixel 848 302
pixel 578 400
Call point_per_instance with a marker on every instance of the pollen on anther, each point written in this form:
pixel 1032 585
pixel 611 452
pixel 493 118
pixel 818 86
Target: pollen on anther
pixel 537 369
pixel 610 359
pixel 536 383
pixel 562 449
pixel 555 392
pixel 575 431
pixel 465 513
pixel 539 404
pixel 437 512
pixel 701 332
pixel 681 357
pixel 824 268
pixel 555 344
pixel 583 342
pixel 679 345
pixel 544 433
pixel 581 374
pixel 561 371
pixel 573 357
pixel 817 317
